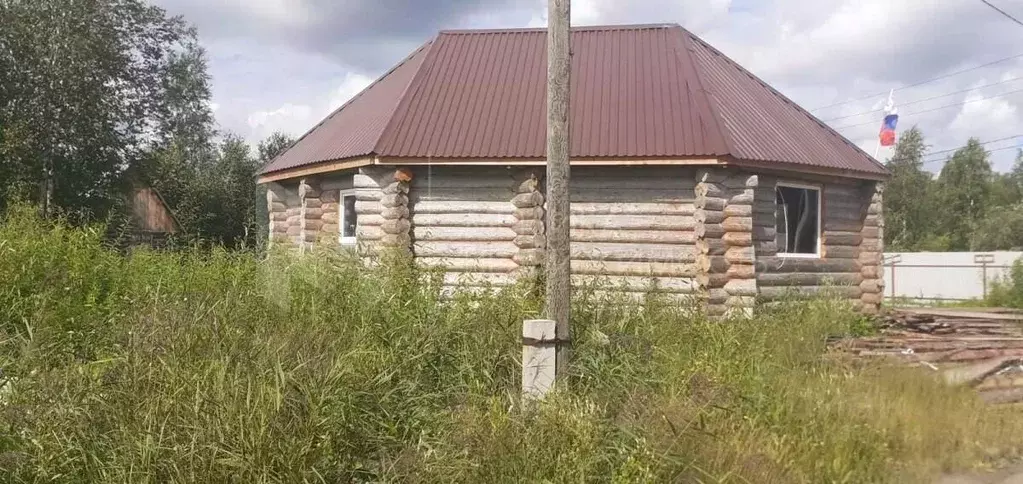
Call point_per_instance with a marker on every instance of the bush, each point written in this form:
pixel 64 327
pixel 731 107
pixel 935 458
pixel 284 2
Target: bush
pixel 220 367
pixel 1008 292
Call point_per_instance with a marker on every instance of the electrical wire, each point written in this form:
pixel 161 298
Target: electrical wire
pixel 1003 12
pixel 945 158
pixel 981 143
pixel 935 109
pixel 927 81
pixel 925 100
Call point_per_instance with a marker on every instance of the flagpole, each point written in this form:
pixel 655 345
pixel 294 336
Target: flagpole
pixel 890 105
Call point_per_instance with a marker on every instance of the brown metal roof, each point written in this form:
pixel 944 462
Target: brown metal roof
pixel 650 91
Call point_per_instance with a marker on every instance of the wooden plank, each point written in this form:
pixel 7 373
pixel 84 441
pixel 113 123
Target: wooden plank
pixel 649 269
pixel 625 208
pixel 456 207
pixel 633 252
pixel 490 250
pixel 636 283
pixel 633 236
pixel 479 234
pixel 632 222
pixel 452 264
pixel 463 220
pixel 468 195
pixel 799 264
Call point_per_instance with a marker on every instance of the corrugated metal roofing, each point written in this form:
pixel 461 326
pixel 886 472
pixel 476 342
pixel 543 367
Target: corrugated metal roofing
pixel 652 91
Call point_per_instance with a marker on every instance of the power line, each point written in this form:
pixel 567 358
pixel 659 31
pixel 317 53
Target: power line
pixel 1003 12
pixel 925 100
pixel 944 158
pixel 937 108
pixel 981 143
pixel 945 76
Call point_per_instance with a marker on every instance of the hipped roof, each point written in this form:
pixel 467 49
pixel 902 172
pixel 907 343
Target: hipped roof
pixel 637 92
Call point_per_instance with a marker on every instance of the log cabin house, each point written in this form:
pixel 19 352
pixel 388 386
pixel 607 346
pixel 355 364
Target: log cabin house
pixel 688 171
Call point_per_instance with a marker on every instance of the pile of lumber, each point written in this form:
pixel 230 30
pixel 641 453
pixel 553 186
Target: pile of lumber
pixel 980 348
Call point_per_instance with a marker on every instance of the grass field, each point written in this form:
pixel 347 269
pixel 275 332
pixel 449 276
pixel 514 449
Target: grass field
pixel 224 367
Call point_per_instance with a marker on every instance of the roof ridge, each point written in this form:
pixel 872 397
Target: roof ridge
pixel 685 37
pixel 351 100
pixel 580 28
pixel 784 98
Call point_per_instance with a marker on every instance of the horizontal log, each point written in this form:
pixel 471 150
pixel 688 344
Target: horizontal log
pixel 633 236
pixel 711 175
pixel 709 203
pixel 650 269
pixel 313 225
pixel 394 200
pixel 479 279
pixel 738 210
pixel 633 252
pixel 843 225
pixel 765 248
pixel 528 200
pixel 464 234
pixel 711 247
pixel 444 179
pixel 468 206
pixel 467 265
pixel 636 283
pixel 871 271
pixel 313 213
pixel 702 216
pixel 740 255
pixel 717 296
pixel 490 250
pixel 741 302
pixel 870 258
pixel 785 292
pixel 871 286
pixel 712 264
pixel 741 287
pixel 738 224
pixel 872 221
pixel 528 181
pixel 397 226
pixel 651 208
pixel 330 229
pixel 871 232
pixel 395 187
pixel 631 222
pixel 278 207
pixel 369 232
pixel 368 195
pixel 329 207
pixel 871 298
pixel 534 213
pixel 741 198
pixel 708 231
pixel 395 213
pixel 834 239
pixel 329 196
pixel 361 180
pixel 841 252
pixel 872 245
pixel 711 281
pixel 737 239
pixel 741 271
pixel 278 216
pixel 463 220
pixel 774 279
pixel 618 195
pixel 846 191
pixel 294 230
pixel 709 190
pixel 529 257
pixel 461 195
pixel 799 264
pixel 633 179
pixel 764 233
pixel 530 241
pixel 370 219
pixel 528 227
pixel 368 206
pixel 395 240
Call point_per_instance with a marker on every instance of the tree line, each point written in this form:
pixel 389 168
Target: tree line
pixel 966 207
pixel 97 96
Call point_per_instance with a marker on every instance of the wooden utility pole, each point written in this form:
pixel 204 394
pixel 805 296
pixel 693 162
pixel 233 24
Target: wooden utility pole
pixel 558 269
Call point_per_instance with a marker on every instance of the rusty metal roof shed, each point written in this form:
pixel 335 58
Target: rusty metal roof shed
pixel 638 92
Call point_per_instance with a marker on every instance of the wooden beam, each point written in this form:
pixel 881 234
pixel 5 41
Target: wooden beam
pixel 315 169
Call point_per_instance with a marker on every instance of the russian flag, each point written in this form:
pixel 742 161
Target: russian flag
pixel 888 129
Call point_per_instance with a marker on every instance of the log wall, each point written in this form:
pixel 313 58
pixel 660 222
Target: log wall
pixel 844 248
pixel 633 228
pixel 464 221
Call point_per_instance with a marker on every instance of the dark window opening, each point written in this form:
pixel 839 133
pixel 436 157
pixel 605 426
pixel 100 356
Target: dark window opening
pixel 349 219
pixel 798 217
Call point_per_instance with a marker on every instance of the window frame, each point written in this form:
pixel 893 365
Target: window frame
pixel 341 222
pixel 819 188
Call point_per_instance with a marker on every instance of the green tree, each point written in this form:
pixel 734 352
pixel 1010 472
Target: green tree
pixel 999 229
pixel 909 194
pixel 84 92
pixel 273 145
pixel 965 185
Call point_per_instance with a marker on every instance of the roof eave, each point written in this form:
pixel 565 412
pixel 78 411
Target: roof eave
pixel 316 169
pixel 800 168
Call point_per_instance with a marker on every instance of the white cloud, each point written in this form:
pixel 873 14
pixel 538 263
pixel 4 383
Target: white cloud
pixel 289 118
pixel 350 86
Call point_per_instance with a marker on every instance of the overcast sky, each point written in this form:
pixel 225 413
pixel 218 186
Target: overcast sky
pixel 285 64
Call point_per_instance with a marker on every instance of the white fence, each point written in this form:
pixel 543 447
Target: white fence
pixel 944 276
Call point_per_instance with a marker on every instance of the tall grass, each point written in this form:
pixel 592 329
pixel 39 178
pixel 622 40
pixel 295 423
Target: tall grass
pixel 221 367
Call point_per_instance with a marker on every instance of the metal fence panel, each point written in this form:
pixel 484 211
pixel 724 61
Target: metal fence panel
pixel 937 276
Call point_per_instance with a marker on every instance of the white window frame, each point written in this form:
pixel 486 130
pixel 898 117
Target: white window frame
pixel 341 222
pixel 820 211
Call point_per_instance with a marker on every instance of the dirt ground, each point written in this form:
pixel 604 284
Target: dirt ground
pixel 1009 475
